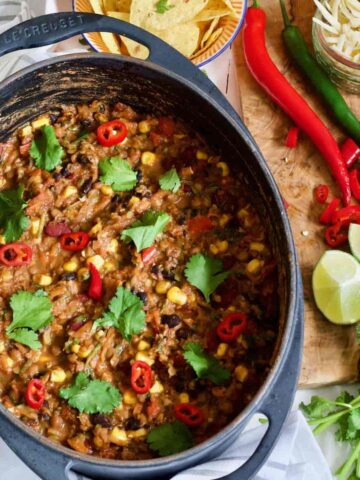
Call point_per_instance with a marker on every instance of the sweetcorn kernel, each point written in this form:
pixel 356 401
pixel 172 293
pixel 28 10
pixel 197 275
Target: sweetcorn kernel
pixel 222 349
pixel 162 286
pixel 58 375
pixel 133 201
pixel 95 229
pixel 157 387
pixel 214 249
pixel 257 247
pixel 40 122
pixel 113 246
pixel 223 246
pixel 141 432
pixel 43 280
pixel 35 226
pixel 119 437
pixel 106 190
pixel 148 158
pixel 242 213
pixel 25 131
pixel 184 397
pixel 144 127
pixel 143 357
pixel 69 191
pixel 200 155
pixel 130 397
pixel 71 266
pixel 84 352
pixel 177 296
pixel 254 266
pixel 224 220
pixel 75 348
pixel 142 345
pixel 109 267
pixel 224 168
pixel 2 240
pixel 96 260
pixel 241 373
pixel 83 274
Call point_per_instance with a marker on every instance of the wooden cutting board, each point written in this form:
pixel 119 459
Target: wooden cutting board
pixel 331 352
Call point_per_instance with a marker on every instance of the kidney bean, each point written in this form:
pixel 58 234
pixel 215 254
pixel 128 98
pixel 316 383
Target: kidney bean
pixel 86 186
pixel 56 229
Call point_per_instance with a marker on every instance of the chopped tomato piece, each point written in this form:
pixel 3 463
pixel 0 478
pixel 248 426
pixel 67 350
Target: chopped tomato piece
pixel 199 225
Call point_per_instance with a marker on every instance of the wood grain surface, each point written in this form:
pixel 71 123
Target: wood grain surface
pixel 331 353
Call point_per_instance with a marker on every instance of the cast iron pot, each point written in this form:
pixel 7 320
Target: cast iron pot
pixel 166 84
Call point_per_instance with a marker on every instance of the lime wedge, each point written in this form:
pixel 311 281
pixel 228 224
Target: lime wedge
pixel 336 286
pixel 354 240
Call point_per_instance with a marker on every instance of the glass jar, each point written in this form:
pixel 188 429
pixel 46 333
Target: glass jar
pixel 342 71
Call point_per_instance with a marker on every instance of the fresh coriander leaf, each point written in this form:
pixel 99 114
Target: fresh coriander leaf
pixel 26 337
pixel 46 149
pixel 353 424
pixel 12 217
pixel 91 396
pixel 117 173
pixel 143 232
pixel 205 365
pixel 125 313
pixel 358 333
pixel 162 6
pixel 344 398
pixel 318 407
pixel 31 312
pixel 170 438
pixel 205 273
pixel 170 181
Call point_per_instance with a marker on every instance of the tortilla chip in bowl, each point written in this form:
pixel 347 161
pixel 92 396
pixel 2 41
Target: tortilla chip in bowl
pixel 199 29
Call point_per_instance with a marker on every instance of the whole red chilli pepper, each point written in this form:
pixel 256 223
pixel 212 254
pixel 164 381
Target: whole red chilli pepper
pixel 275 84
pixel 95 288
pixel 334 236
pixel 346 215
pixel 350 152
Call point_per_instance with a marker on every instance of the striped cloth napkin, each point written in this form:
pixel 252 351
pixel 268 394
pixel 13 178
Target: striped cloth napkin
pixel 296 456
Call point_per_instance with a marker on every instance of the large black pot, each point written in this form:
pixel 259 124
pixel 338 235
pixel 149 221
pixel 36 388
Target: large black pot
pixel 166 84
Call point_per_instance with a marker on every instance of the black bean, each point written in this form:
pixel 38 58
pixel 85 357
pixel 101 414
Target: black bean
pixel 63 173
pixel 116 198
pixel 141 295
pixel 68 276
pixel 132 424
pixel 101 108
pixel 99 419
pixel 182 333
pixel 179 385
pixel 181 220
pixel 147 195
pixel 83 159
pixel 155 269
pixel 139 175
pixel 171 320
pixel 168 275
pixel 86 186
pixel 45 417
pixel 85 122
pixel 54 117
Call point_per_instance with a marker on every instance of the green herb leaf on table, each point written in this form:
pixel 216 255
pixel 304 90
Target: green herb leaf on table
pixel 31 312
pixel 204 365
pixel 344 412
pixel 205 273
pixel 46 149
pixel 126 313
pixel 12 217
pixel 170 181
pixel 91 396
pixel 117 173
pixel 358 333
pixel 170 438
pixel 162 6
pixel 143 232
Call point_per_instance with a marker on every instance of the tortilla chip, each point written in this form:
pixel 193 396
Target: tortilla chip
pixel 120 16
pixel 210 41
pixel 135 49
pixel 108 38
pixel 122 6
pixel 206 15
pixel 143 13
pixel 229 4
pixel 209 31
pixel 184 37
pixel 109 5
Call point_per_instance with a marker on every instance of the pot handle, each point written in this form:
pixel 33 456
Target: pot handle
pixel 276 407
pixel 55 27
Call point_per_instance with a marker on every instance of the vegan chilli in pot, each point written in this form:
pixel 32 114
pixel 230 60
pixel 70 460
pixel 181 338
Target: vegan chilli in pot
pixel 138 290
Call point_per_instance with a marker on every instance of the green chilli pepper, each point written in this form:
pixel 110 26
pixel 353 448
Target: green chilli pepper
pixel 325 88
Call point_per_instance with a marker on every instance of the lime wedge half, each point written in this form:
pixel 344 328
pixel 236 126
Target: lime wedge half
pixel 354 240
pixel 336 286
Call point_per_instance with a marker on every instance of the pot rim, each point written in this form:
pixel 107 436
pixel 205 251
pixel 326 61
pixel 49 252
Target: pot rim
pixel 290 321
